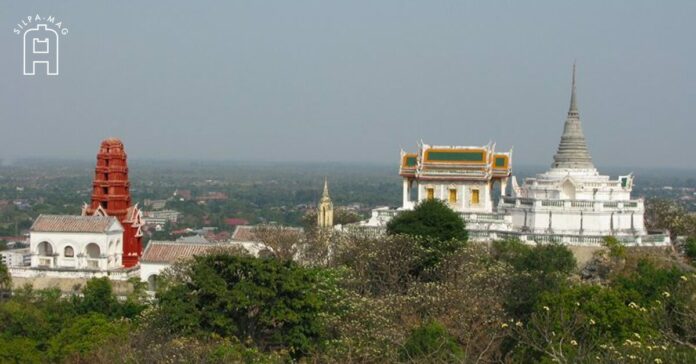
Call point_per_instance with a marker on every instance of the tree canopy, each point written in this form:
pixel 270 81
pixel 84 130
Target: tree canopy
pixel 274 303
pixel 431 219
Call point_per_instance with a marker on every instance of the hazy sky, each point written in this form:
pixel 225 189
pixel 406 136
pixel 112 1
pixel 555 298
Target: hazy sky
pixel 354 80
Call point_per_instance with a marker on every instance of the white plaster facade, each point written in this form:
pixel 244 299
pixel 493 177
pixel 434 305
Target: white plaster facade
pixel 583 202
pixel 571 203
pixel 78 250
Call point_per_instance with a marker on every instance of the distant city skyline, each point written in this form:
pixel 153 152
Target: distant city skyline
pixel 354 81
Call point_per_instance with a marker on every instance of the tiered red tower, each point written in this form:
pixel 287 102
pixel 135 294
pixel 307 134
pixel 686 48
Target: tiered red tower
pixel 111 197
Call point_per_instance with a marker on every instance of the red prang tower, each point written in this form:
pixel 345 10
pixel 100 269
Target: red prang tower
pixel 111 197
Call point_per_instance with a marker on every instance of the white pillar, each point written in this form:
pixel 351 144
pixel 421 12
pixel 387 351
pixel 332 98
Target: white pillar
pixel 406 196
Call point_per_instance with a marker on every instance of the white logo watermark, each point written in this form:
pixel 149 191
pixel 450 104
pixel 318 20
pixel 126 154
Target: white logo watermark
pixel 40 40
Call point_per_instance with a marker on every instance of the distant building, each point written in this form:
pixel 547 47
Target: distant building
pixel 105 241
pixel 76 242
pixel 570 204
pixel 160 217
pixel 111 197
pixel 212 196
pixel 16 257
pixel 244 233
pixel 182 195
pixel 233 221
pixel 193 239
pixel 325 209
pixel 155 204
pixel 248 232
pixel 160 255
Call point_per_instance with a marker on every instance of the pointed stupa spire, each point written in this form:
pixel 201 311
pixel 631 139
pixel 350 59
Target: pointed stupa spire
pixel 572 150
pixel 326 188
pixel 573 98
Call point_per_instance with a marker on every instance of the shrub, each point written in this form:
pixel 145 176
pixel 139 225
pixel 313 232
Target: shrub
pixel 430 342
pixel 273 303
pixel 431 218
pixel 616 248
pixel 690 248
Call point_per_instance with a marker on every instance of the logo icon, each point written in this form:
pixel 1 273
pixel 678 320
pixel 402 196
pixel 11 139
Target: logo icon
pixel 40 42
pixel 40 47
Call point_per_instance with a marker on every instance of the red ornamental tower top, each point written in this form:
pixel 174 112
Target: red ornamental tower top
pixel 111 197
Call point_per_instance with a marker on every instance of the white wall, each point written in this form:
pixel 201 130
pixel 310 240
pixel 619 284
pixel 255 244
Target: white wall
pixel 110 248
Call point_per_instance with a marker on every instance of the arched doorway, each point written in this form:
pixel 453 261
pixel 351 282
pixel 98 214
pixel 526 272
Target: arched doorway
pixel 152 283
pixel 45 249
pixel 568 190
pixel 93 251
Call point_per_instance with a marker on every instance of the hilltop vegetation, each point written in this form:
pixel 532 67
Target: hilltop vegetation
pixel 409 297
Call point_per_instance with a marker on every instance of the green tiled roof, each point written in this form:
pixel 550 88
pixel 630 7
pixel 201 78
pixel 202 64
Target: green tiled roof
pixel 455 156
pixel 500 161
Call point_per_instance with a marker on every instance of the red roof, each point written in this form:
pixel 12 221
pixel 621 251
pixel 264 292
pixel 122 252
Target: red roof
pixel 244 233
pixel 170 252
pixel 233 221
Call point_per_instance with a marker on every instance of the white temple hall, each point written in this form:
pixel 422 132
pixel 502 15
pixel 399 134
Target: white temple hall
pixel 571 203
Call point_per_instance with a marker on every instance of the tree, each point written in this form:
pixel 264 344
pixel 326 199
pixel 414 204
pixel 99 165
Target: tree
pixel 283 242
pixel 647 283
pixel 690 248
pixel 274 303
pixel 570 326
pixel 97 296
pixel 542 258
pixel 19 350
pixel 381 265
pixel 616 248
pixel 430 342
pixel 665 214
pixel 538 269
pixel 431 218
pixel 85 334
pixel 5 281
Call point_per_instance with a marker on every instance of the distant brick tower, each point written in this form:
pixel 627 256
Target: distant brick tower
pixel 111 197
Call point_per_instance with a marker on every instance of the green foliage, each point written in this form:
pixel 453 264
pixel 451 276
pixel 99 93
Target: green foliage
pixel 5 280
pixel 19 350
pixel 647 283
pixel 690 248
pixel 542 258
pixel 430 342
pixel 232 351
pixel 431 218
pixel 273 303
pixel 602 312
pixel 538 269
pixel 435 227
pixel 97 296
pixel 616 248
pixel 85 334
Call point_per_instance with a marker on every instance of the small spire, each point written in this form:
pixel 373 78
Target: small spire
pixel 326 188
pixel 573 99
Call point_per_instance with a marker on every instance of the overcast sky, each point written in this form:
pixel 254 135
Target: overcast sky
pixel 353 80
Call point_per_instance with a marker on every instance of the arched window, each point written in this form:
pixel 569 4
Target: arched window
pixel 568 190
pixel 93 250
pixel 68 252
pixel 45 249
